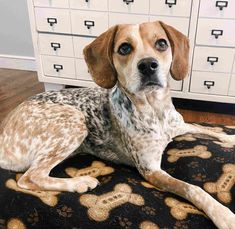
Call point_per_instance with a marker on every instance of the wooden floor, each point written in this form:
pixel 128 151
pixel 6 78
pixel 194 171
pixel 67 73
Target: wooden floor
pixel 16 86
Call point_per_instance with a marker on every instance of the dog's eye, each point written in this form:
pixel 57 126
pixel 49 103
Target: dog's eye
pixel 161 45
pixel 124 49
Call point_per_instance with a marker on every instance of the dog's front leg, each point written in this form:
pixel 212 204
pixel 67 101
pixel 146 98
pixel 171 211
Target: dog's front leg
pixel 222 217
pixel 198 129
pixel 149 166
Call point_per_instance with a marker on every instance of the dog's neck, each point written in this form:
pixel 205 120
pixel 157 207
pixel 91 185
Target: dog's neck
pixel 150 111
pixel 147 103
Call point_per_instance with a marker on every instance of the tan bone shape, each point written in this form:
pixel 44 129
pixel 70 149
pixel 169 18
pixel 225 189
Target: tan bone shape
pixel 197 151
pixel 47 197
pixel 222 187
pixel 100 206
pixel 180 210
pixel 96 169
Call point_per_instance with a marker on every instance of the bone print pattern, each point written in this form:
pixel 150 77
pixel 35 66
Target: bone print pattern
pixel 96 169
pixel 18 204
pixel 100 206
pixel 180 210
pixel 49 198
pixel 197 151
pixel 224 184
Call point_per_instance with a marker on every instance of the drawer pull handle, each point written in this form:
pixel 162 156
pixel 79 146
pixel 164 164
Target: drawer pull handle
pixel 128 1
pixel 89 24
pixel 217 33
pixel 55 46
pixel 170 3
pixel 221 4
pixel 209 84
pixel 212 59
pixel 58 67
pixel 86 0
pixel 52 21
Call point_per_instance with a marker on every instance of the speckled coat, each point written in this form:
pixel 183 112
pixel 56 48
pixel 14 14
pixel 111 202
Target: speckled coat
pixel 130 124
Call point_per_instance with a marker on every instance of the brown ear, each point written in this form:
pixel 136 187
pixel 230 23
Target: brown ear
pixel 98 56
pixel 180 51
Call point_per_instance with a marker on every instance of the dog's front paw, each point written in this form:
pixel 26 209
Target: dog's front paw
pixel 228 139
pixel 225 219
pixel 231 139
pixel 85 183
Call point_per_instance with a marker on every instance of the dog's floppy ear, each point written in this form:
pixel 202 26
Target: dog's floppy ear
pixel 180 52
pixel 98 56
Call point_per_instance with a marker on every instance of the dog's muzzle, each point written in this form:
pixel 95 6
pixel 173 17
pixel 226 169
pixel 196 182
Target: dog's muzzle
pixel 148 68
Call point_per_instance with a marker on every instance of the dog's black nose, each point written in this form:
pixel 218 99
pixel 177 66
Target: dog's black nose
pixel 148 66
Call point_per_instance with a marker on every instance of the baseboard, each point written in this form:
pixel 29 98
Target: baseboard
pixel 18 62
pixel 206 106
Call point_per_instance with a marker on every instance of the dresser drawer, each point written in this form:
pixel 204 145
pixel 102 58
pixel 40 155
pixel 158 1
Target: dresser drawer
pixel 232 86
pixel 128 6
pixel 117 18
pixel 182 24
pixel 100 5
pixel 213 59
pixel 52 3
pixel 217 9
pixel 82 72
pixel 79 44
pixel 216 32
pixel 171 7
pixel 210 83
pixel 87 23
pixel 55 45
pixel 58 66
pixel 53 20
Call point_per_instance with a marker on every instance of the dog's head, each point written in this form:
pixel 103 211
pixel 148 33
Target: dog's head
pixel 138 56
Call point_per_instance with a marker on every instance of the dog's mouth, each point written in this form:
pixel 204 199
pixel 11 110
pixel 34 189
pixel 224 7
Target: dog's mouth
pixel 153 84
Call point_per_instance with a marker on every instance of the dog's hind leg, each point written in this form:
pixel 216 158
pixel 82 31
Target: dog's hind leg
pixel 38 136
pixel 65 136
pixel 37 176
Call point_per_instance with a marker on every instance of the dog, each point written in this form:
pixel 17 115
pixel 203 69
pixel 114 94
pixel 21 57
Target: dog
pixel 130 119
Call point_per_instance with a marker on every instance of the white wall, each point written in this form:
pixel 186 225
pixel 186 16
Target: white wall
pixel 15 35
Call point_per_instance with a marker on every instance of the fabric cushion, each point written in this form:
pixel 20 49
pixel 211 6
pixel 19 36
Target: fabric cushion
pixel 123 199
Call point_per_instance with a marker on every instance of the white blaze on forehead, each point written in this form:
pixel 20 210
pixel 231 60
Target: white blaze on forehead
pixel 131 70
pixel 135 34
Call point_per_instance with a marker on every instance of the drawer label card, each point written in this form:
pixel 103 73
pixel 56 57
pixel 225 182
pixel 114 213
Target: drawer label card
pixel 209 84
pixel 52 21
pixel 89 24
pixel 55 46
pixel 58 67
pixel 221 4
pixel 170 3
pixel 212 60
pixel 217 33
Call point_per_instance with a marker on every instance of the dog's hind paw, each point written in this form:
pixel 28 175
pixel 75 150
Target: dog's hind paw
pixel 85 183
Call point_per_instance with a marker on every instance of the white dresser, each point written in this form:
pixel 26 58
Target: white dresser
pixel 61 28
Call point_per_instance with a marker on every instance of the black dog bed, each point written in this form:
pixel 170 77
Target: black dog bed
pixel 123 199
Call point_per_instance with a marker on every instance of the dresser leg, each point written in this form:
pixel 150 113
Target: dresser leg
pixel 53 87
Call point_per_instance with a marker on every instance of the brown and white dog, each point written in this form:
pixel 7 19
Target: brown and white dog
pixel 132 123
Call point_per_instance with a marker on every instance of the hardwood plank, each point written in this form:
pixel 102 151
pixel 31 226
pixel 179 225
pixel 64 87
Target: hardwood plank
pixel 207 117
pixel 15 87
